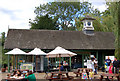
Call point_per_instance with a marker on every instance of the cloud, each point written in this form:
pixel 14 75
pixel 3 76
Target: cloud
pixel 99 5
pixel 11 13
pixel 16 13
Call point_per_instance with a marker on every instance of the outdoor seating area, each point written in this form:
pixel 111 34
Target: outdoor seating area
pixel 61 75
pixel 54 55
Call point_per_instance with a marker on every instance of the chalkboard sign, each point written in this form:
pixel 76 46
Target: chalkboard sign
pixel 26 66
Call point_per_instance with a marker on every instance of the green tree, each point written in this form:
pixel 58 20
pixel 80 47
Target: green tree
pixel 64 13
pixel 113 12
pixel 43 22
pixel 4 60
pixel 118 47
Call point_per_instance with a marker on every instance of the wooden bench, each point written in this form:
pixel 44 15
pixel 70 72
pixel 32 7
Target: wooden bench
pixel 63 78
pixel 59 76
pixel 109 75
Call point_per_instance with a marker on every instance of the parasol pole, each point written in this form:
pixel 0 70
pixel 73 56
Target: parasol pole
pixel 8 63
pixel 16 61
pixel 36 63
pixel 70 61
pixel 59 62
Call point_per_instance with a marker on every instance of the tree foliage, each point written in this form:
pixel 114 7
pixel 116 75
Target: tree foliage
pixel 113 10
pixel 2 51
pixel 64 13
pixel 43 22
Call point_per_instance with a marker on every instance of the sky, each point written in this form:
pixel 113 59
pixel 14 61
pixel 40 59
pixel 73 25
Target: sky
pixel 15 14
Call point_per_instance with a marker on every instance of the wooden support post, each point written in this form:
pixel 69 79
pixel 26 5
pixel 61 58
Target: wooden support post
pixel 13 61
pixel 82 61
pixel 97 55
pixel 32 58
pixel 16 62
pixel 8 63
pixel 70 63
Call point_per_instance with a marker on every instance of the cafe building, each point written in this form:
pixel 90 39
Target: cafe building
pixel 84 43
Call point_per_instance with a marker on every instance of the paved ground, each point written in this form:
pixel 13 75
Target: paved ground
pixel 42 75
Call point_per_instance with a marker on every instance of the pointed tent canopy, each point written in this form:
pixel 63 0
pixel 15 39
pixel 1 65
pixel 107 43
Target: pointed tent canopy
pixel 16 51
pixel 37 51
pixel 59 51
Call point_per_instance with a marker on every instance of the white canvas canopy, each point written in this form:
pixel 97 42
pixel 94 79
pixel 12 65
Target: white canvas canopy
pixel 60 52
pixel 36 51
pixel 16 51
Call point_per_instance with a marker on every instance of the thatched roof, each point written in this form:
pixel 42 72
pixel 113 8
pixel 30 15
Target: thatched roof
pixel 49 39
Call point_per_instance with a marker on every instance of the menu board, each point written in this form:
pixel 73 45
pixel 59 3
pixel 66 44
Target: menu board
pixel 28 66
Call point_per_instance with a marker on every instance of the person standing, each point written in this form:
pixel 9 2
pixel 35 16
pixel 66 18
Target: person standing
pixel 108 61
pixel 116 64
pixel 95 65
pixel 92 64
pixel 111 67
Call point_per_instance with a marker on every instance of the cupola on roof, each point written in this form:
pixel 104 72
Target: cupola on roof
pixel 87 17
pixel 88 28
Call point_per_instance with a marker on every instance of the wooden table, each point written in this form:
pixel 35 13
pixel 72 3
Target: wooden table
pixel 16 79
pixel 13 79
pixel 59 76
pixel 80 70
pixel 109 75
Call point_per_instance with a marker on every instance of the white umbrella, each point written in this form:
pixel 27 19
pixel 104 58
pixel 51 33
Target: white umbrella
pixel 16 51
pixel 60 52
pixel 37 51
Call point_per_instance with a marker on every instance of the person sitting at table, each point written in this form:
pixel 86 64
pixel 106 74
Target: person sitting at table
pixel 18 73
pixel 13 74
pixel 65 63
pixel 84 74
pixel 30 76
pixel 8 75
pixel 61 67
pixel 91 74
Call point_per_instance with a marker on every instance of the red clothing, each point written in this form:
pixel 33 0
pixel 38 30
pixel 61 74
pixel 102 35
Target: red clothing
pixel 110 69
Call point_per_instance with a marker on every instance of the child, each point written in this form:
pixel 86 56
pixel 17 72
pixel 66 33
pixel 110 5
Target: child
pixel 91 74
pixel 84 74
pixel 110 68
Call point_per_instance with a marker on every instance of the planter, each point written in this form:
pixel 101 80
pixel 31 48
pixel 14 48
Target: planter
pixel 3 69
